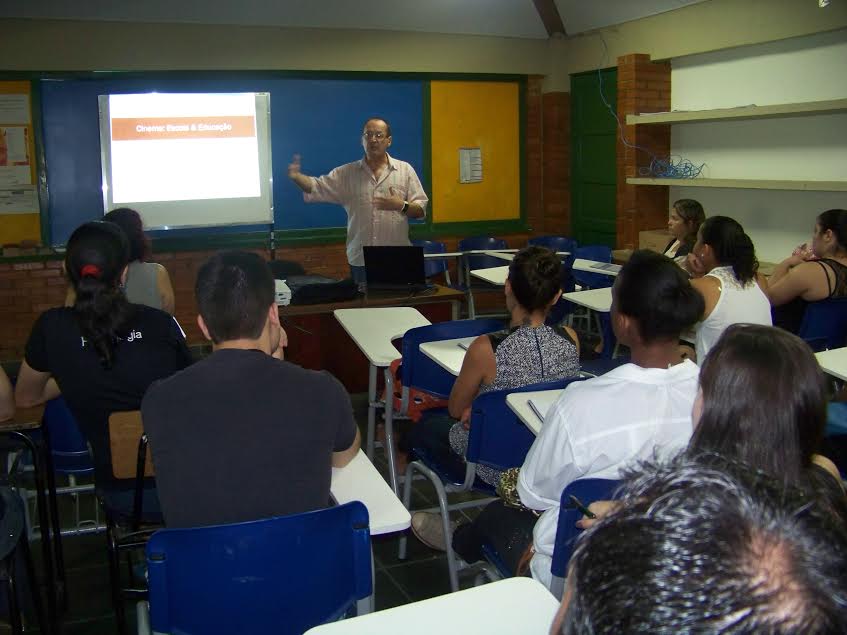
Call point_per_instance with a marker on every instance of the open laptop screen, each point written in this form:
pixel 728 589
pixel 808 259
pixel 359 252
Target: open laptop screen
pixel 394 267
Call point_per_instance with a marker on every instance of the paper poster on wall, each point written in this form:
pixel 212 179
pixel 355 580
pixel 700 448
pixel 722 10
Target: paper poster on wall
pixel 22 201
pixel 14 109
pixel 15 168
pixel 470 165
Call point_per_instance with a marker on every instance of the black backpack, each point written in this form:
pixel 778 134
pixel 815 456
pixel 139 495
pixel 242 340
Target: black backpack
pixel 320 289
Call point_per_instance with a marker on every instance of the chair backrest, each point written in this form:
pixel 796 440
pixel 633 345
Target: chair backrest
pixel 824 324
pixel 586 490
pixel 419 371
pixel 433 266
pixel 498 438
pixel 125 432
pixel 284 268
pixel 557 243
pixel 481 261
pixel 68 447
pixel 600 253
pixel 277 575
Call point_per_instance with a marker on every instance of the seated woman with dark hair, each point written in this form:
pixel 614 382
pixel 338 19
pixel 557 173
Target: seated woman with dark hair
pixel 812 274
pixel 683 222
pixel 528 352
pixel 103 352
pixel 731 286
pixel 600 425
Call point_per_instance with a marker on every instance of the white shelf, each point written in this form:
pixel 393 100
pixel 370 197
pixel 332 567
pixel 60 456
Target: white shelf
pixel 742 112
pixel 747 184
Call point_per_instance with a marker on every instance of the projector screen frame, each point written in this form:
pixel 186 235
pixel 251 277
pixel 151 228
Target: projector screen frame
pixel 263 132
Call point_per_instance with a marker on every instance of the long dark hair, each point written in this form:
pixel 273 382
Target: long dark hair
pixel 835 220
pixel 130 222
pixel 535 277
pixel 692 214
pixel 731 245
pixel 96 256
pixel 764 401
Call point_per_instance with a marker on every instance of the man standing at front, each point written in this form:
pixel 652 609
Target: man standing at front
pixel 379 193
pixel 242 434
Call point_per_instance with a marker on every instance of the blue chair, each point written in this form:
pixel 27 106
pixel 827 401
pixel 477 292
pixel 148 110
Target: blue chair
pixel 498 439
pixel 434 266
pixel 824 324
pixel 276 575
pixel 418 372
pixel 586 491
pixel 557 243
pixel 478 261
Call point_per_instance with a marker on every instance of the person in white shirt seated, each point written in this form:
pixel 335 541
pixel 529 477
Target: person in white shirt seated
pixel 601 425
pixel 731 287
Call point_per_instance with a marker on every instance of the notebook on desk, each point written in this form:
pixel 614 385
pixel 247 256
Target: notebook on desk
pixel 395 268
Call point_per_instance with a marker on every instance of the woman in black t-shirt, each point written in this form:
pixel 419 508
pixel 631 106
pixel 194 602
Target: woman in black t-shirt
pixel 102 353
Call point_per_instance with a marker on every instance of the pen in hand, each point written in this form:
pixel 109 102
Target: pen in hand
pixel 578 504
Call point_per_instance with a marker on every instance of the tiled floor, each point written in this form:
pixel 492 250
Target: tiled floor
pixel 422 575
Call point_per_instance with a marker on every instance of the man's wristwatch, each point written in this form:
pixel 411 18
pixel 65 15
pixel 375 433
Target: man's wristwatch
pixel 405 207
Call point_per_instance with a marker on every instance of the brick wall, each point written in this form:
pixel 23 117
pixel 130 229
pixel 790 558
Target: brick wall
pixel 643 86
pixel 557 164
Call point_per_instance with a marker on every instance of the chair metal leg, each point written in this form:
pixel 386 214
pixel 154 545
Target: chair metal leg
pixel 389 431
pixel 142 618
pixel 115 578
pixel 23 545
pixel 407 502
pixel 369 448
pixel 56 537
pixel 12 595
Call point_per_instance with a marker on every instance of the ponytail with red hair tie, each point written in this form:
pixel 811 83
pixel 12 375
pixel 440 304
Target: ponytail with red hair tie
pixel 90 271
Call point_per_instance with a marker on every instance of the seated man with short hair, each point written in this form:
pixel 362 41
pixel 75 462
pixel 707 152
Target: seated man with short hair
pixel 244 435
pixel 703 546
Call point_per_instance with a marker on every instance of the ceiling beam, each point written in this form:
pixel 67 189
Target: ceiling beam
pixel 550 16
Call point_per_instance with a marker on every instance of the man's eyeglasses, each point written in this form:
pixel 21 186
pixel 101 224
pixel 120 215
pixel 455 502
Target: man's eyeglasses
pixel 373 135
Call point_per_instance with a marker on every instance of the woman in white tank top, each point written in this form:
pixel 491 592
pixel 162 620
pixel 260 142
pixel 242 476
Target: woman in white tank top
pixel 730 287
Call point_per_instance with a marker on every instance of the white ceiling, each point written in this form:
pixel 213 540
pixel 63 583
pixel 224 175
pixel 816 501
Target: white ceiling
pixel 510 18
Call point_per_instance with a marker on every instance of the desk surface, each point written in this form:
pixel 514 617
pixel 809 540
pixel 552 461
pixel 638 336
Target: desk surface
pixel 518 403
pixel 374 329
pixel 834 362
pixel 596 299
pixel 505 607
pixel 436 295
pixel 359 481
pixel 24 419
pixel 594 266
pixel 448 353
pixel 494 275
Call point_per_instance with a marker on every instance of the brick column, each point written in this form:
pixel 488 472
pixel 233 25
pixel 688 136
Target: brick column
pixel 534 155
pixel 643 86
pixel 557 168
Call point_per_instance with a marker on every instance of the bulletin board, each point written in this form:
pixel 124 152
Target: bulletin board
pixel 19 208
pixel 473 115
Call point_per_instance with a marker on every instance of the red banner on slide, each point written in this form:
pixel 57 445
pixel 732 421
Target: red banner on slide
pixel 157 128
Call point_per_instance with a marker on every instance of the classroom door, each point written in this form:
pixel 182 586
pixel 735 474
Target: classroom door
pixel 594 135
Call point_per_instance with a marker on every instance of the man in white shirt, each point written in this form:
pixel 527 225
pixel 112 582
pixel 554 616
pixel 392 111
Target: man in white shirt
pixel 601 425
pixel 379 193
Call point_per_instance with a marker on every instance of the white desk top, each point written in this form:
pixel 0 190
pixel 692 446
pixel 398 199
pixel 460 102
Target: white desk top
pixel 834 362
pixel 448 254
pixel 596 299
pixel 593 266
pixel 502 255
pixel 359 481
pixel 491 252
pixel 505 607
pixel 448 353
pixel 518 403
pixel 373 329
pixel 494 275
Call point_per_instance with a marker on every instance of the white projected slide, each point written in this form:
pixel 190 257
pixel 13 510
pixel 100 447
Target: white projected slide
pixel 187 159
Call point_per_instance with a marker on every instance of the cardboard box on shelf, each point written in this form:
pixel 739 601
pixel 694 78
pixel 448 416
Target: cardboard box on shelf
pixel 654 239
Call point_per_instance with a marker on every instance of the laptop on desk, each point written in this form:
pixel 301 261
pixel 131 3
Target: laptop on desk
pixel 395 269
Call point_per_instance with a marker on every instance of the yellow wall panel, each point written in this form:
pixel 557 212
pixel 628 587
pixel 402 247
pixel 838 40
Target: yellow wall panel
pixel 475 114
pixel 17 227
